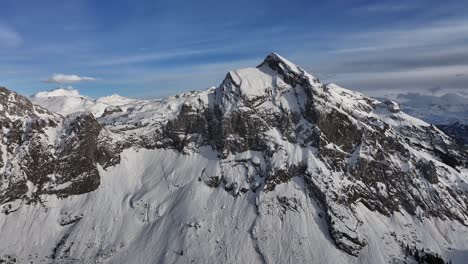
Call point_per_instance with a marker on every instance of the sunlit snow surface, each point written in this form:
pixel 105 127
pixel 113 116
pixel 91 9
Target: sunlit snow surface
pixel 67 101
pixel 151 208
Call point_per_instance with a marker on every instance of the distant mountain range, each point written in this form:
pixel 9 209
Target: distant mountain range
pixel 448 111
pixel 68 100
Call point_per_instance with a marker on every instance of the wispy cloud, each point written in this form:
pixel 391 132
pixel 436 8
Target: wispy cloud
pixel 144 57
pixel 382 7
pixel 422 79
pixel 9 37
pixel 414 56
pixel 147 56
pixel 435 33
pixel 63 78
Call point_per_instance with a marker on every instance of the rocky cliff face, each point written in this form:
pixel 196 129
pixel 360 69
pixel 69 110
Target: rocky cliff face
pixel 45 153
pixel 267 128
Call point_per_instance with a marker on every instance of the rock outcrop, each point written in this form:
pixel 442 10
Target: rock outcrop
pixel 45 153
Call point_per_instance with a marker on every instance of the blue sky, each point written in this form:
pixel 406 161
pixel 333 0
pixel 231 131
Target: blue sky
pixel 159 48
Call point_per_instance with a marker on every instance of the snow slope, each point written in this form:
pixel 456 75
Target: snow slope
pixel 68 100
pixel 161 213
pixel 272 166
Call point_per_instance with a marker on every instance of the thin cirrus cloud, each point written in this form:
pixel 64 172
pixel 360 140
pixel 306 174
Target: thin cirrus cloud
pixel 9 37
pixel 164 55
pixel 414 57
pixel 382 7
pixel 146 57
pixel 68 79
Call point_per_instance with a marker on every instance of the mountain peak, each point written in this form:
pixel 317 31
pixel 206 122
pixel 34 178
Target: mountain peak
pixel 265 83
pixel 280 64
pixel 60 91
pixel 15 106
pixel 291 73
pixel 115 99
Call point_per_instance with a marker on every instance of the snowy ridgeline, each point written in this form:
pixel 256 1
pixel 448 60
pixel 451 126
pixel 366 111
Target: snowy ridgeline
pixel 272 166
pixel 68 100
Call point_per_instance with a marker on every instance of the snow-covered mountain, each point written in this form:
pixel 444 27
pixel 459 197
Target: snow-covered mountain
pixel 68 100
pixel 444 109
pixel 448 111
pixel 272 166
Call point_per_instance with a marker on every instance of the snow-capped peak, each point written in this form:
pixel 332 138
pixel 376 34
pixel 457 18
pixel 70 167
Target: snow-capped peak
pixel 267 82
pixel 277 62
pixel 66 101
pixel 61 91
pixel 114 99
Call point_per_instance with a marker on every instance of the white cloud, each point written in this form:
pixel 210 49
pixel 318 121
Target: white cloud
pixel 63 78
pixel 9 37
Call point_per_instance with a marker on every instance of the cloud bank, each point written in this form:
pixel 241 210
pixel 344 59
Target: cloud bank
pixel 64 78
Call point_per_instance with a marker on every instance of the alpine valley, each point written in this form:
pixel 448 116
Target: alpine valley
pixel 271 166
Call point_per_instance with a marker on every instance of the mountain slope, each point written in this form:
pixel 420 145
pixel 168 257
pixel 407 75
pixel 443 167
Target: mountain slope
pixel 272 166
pixel 43 153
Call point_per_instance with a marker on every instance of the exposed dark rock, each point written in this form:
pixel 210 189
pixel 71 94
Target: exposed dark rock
pixel 213 181
pixel 66 166
pixel 392 106
pixel 287 203
pixel 281 176
pixel 337 127
pixel 8 259
pixel 111 109
pixel 78 156
pixel 68 220
pixel 59 247
pixel 429 171
pixel 343 240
